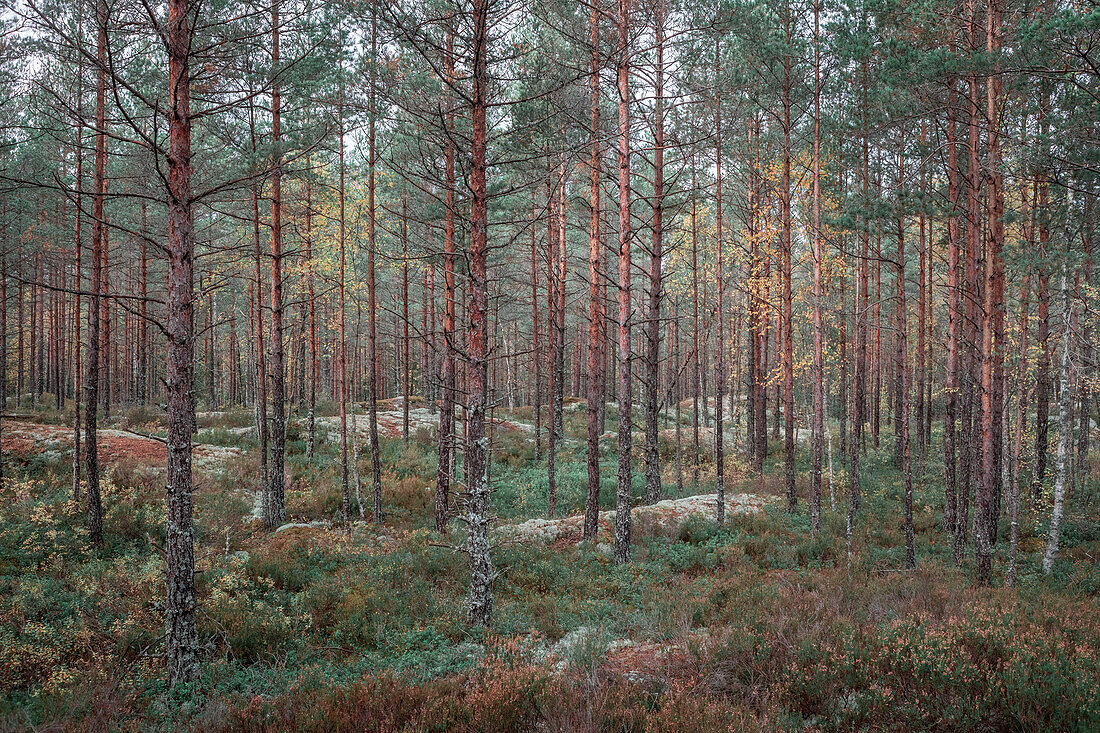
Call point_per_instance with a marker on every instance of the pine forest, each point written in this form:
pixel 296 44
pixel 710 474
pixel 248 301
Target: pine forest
pixel 571 365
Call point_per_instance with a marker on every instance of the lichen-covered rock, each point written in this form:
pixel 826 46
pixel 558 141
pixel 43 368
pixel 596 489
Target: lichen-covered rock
pixel 665 518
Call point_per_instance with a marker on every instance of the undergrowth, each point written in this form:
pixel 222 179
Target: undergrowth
pixel 760 623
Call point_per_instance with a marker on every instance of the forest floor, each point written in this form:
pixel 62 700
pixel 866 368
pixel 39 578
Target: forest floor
pixel 30 440
pixel 759 624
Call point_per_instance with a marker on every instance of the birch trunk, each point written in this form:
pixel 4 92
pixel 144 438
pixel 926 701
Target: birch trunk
pixel 1065 431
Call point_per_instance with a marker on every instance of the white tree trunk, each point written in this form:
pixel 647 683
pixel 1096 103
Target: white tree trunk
pixel 1065 434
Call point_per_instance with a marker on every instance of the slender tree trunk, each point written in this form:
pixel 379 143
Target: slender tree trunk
pixel 314 373
pixel 260 377
pixel 427 338
pixel 696 375
pixel 341 377
pixel 819 335
pixel 995 284
pixel 1085 274
pixel 20 374
pixel 842 337
pixel 760 311
pixel 180 629
pixel 788 322
pixel 275 510
pixel 678 396
pixel 902 367
pixel 973 392
pixel 99 232
pixel 78 251
pixel 720 318
pixel 922 302
pixel 4 349
pixel 1066 389
pixel 954 316
pixel 104 310
pixel 144 359
pixel 1021 412
pixel 623 492
pixel 876 347
pixel 559 305
pixel 372 301
pixel 859 374
pixel 480 604
pixel 1042 368
pixel 553 339
pixel 656 256
pixel 406 377
pixel 592 384
pixel 447 405
pixel 536 332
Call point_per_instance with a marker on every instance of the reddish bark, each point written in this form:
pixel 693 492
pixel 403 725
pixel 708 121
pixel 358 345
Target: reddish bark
pixel 819 335
pixel 480 603
pixel 720 317
pixel 592 384
pixel 180 630
pixel 372 299
pixel 274 511
pixel 623 493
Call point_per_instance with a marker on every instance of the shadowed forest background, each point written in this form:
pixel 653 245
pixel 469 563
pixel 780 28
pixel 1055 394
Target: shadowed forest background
pixel 608 365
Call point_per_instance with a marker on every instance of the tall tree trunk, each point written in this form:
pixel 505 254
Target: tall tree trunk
pixel 260 375
pixel 652 457
pixel 78 252
pixel 105 384
pixel 819 330
pixel 144 358
pixel 536 332
pixel 275 509
pixel 4 349
pixel 447 404
pixel 20 370
pixel 759 312
pixel 622 493
pixel 972 389
pixel 656 255
pixel 480 603
pixel 1042 368
pixel 785 264
pixel 99 233
pixel 407 374
pixel 1085 275
pixel 720 318
pixel 180 631
pixel 592 384
pixel 954 316
pixel 1066 389
pixel 696 377
pixel 559 305
pixel 876 347
pixel 678 396
pixel 314 372
pixel 1021 410
pixel 995 299
pixel 553 338
pixel 341 376
pixel 859 374
pixel 922 307
pixel 902 367
pixel 372 323
pixel 900 344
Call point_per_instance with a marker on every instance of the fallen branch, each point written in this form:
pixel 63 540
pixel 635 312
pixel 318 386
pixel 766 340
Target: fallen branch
pixel 145 435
